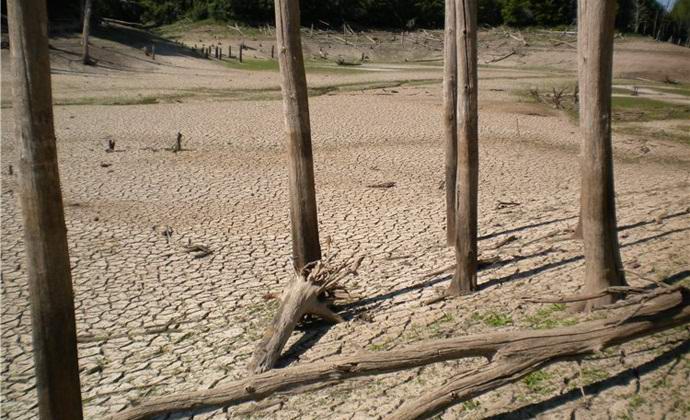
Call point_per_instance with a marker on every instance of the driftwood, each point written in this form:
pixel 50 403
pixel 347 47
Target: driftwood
pixel 521 357
pixel 310 292
pixel 503 57
pixel 389 184
pixel 514 354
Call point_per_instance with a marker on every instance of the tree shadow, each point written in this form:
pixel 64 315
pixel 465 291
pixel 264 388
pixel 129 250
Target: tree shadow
pixel 313 332
pixel 649 222
pixel 525 227
pixel 622 378
pixel 138 39
pixel 556 264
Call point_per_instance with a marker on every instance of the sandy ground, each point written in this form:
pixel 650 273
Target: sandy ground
pixel 152 319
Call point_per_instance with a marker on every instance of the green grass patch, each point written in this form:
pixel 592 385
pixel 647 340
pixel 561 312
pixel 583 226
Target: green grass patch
pixel 119 101
pixel 549 317
pixel 636 108
pixel 493 319
pixel 591 375
pixel 538 382
pixel 470 405
pixel 252 64
pixel 310 66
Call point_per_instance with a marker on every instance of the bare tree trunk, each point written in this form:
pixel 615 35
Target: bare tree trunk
pixel 603 267
pixel 465 279
pixel 581 42
pixel 305 228
pixel 85 58
pixel 450 122
pixel 45 236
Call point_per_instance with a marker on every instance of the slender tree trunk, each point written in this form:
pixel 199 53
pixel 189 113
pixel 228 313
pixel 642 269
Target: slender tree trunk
pixel 603 266
pixel 581 42
pixel 465 279
pixel 85 58
pixel 45 238
pixel 305 229
pixel 450 124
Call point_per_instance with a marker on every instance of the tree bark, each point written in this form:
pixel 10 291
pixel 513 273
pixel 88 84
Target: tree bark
pixel 450 125
pixel 603 267
pixel 303 214
pixel 45 236
pixel 465 279
pixel 659 311
pixel 519 359
pixel 85 58
pixel 300 297
pixel 581 42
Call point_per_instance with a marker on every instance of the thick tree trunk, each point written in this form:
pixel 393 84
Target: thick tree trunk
pixel 450 125
pixel 45 236
pixel 85 58
pixel 465 279
pixel 603 267
pixel 514 353
pixel 305 228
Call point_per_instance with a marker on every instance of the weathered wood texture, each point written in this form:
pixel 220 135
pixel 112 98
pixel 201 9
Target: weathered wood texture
pixel 310 293
pixel 450 126
pixel 45 236
pixel 86 32
pixel 300 297
pixel 520 358
pixel 305 228
pixel 664 309
pixel 603 266
pixel 465 279
pixel 581 42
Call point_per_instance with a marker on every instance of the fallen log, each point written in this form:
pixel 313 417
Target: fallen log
pixel 521 357
pixel 514 354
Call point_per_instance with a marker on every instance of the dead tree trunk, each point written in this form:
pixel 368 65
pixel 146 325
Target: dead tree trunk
pixel 603 267
pixel 465 279
pixel 45 235
pixel 305 293
pixel 308 293
pixel 513 354
pixel 581 98
pixel 85 58
pixel 305 231
pixel 450 85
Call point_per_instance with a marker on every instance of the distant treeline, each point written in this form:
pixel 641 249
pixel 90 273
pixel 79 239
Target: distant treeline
pixel 648 17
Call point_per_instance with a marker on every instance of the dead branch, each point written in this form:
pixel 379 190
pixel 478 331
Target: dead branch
pixel 389 184
pixel 503 57
pixel 518 359
pixel 515 354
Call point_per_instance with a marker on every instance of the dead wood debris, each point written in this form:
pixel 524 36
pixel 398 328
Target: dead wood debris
pixel 511 356
pixel 313 291
pixel 198 251
pixel 389 184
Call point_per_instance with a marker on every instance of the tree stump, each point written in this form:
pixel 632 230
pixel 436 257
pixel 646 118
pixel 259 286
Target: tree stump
pixel 311 292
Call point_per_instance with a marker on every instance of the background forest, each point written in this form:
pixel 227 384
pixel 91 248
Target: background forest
pixel 647 17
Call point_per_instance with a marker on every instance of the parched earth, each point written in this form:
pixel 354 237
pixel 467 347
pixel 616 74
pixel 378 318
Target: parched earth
pixel 153 319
